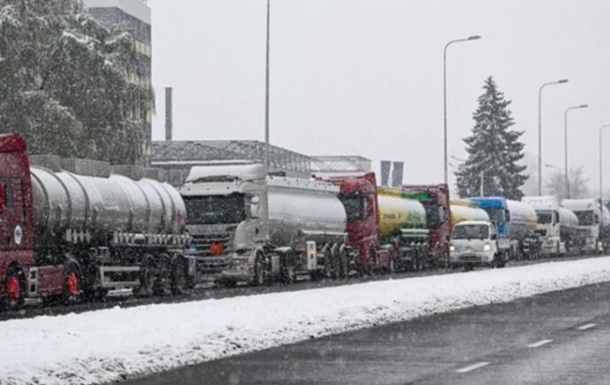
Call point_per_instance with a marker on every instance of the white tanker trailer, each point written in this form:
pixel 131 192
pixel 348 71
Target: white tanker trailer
pixel 66 234
pixel 247 227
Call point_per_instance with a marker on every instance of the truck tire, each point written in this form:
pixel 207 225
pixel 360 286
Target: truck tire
pixel 344 261
pixel 150 276
pixel 336 261
pixel 288 269
pixel 260 273
pixel 180 282
pixel 328 262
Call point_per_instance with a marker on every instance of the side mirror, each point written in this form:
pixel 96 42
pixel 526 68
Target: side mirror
pixel 596 219
pixel 507 215
pixel 493 237
pixel 255 207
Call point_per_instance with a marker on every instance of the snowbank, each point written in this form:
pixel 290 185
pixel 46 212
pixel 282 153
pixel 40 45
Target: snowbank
pixel 108 345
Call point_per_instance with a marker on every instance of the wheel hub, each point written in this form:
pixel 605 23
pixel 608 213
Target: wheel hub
pixel 72 284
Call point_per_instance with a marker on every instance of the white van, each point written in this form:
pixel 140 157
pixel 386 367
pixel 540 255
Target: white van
pixel 475 243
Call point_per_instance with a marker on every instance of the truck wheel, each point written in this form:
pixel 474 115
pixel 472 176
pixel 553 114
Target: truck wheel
pixel 288 271
pixel 72 284
pixel 149 276
pixel 13 284
pixel 336 261
pixel 260 275
pixel 180 281
pixel 343 262
pixel 328 262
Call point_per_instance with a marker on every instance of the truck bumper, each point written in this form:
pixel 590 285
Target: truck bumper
pixel 231 267
pixel 471 258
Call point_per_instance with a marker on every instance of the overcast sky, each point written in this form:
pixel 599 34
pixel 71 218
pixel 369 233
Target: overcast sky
pixel 364 77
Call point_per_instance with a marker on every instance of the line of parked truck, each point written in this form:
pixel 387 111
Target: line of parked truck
pixel 65 235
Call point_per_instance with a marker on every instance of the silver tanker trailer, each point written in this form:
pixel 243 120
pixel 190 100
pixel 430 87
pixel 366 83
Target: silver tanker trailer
pixel 65 234
pixel 247 227
pixel 119 232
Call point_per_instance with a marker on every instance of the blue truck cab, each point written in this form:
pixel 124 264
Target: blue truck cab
pixel 499 215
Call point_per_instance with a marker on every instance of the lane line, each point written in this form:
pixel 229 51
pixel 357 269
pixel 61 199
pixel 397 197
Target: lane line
pixel 539 343
pixel 472 367
pixel 587 326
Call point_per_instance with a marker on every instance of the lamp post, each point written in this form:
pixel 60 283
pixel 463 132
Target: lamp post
pixel 474 37
pixel 267 87
pixel 565 133
pixel 561 81
pixel 601 180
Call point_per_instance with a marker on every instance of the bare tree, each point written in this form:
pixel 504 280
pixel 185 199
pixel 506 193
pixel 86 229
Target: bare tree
pixel 579 184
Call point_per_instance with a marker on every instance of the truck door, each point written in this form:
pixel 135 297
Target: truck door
pixel 12 214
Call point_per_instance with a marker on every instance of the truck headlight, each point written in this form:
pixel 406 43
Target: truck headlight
pixel 487 247
pixel 452 248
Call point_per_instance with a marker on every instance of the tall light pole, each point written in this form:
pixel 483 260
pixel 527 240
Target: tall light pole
pixel 601 180
pixel 561 81
pixel 565 133
pixel 267 87
pixel 474 37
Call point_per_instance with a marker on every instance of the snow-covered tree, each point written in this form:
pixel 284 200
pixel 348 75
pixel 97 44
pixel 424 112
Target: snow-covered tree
pixel 494 150
pixel 579 184
pixel 67 83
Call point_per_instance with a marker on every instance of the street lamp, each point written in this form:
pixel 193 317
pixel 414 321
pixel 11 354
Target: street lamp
pixel 561 81
pixel 474 37
pixel 601 180
pixel 267 88
pixel 565 133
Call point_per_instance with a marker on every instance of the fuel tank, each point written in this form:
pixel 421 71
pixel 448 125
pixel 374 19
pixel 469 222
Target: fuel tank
pixel 396 212
pixel 523 219
pixel 63 200
pixel 304 209
pixel 461 212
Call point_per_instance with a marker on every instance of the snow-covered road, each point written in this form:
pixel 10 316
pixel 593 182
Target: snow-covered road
pixel 107 345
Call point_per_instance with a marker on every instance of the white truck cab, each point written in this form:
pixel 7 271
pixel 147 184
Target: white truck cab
pixel 475 243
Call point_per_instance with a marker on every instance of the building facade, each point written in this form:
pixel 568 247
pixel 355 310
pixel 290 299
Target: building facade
pixel 133 16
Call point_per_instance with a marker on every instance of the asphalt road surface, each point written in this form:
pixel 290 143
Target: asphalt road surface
pixel 556 338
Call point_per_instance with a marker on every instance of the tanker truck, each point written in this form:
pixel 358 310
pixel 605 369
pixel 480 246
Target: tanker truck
pixel 593 217
pixel 249 227
pixel 403 225
pixel 435 199
pixel 387 232
pixel 65 235
pixel 515 224
pixel 557 226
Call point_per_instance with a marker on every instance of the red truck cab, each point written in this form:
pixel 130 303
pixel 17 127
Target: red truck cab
pixel 358 193
pixel 20 277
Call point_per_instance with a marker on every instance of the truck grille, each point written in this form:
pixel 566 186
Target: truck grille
pixel 542 233
pixel 204 242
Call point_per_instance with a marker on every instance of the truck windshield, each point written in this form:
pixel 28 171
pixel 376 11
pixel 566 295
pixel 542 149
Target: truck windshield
pixel 434 214
pixel 215 209
pixel 354 206
pixel 585 218
pixel 471 232
pixel 544 216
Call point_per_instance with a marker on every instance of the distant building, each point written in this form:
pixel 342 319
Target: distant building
pixel 133 16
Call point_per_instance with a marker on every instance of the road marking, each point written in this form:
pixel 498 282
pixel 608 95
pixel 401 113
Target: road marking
pixel 539 343
pixel 587 326
pixel 472 367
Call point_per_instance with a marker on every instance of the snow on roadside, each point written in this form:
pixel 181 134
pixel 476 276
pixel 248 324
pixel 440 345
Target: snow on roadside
pixel 109 345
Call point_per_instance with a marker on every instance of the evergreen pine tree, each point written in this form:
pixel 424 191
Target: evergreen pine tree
pixel 67 83
pixel 494 150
